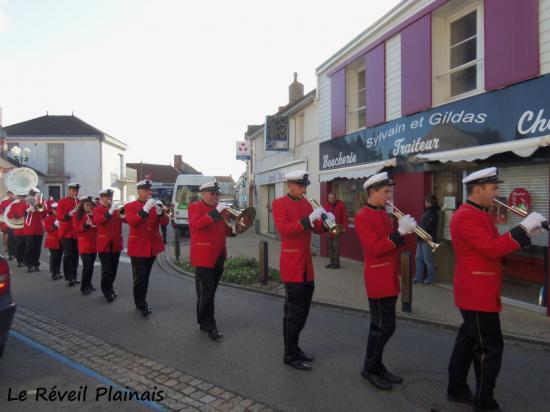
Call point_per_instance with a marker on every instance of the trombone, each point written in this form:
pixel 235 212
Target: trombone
pixel 518 211
pixel 243 219
pixel 421 233
pixel 333 227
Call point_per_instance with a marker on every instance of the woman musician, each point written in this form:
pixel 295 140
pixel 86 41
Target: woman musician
pixel 87 238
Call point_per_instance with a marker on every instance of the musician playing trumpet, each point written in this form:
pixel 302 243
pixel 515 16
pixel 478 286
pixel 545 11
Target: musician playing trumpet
pixel 34 229
pixel 380 243
pixel 68 236
pixel 87 238
pixel 16 211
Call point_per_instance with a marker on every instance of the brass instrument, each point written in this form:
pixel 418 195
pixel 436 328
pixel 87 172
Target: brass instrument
pixel 39 207
pixel 421 233
pixel 518 211
pixel 243 219
pixel 20 181
pixel 333 227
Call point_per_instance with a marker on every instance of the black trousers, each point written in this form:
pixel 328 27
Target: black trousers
pixel 88 260
pixel 382 327
pixel 109 267
pixel 55 261
pixel 20 249
pixel 296 309
pixel 33 246
pixel 163 229
pixel 70 258
pixel 11 243
pixel 334 250
pixel 141 270
pixel 206 283
pixel 479 340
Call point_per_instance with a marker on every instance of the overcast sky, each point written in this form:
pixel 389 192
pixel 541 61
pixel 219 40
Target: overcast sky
pixel 169 77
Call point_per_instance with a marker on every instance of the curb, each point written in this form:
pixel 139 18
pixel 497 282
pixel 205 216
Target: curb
pixel 512 338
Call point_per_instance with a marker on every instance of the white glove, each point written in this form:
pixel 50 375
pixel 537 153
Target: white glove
pixel 112 209
pixel 71 213
pixel 159 206
pixel 331 216
pixel 221 207
pixel 30 209
pixel 316 214
pixel 406 225
pixel 533 223
pixel 56 223
pixel 149 205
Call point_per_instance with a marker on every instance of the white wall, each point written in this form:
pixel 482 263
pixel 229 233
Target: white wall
pixel 323 93
pixel 544 37
pixel 111 167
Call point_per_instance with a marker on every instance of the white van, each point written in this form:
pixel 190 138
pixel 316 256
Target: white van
pixel 186 190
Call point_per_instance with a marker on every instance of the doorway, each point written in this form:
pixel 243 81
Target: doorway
pixel 54 191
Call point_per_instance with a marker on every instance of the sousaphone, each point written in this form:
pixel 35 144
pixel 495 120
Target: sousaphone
pixel 20 181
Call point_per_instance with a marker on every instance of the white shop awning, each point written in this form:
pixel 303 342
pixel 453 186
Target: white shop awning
pixel 355 172
pixel 523 148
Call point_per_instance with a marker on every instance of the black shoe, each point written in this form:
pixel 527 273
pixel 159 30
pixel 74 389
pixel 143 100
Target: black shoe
pixel 336 266
pixel 329 266
pixel 110 298
pixel 297 363
pixel 85 292
pixel 377 381
pixel 304 356
pixel 215 334
pixel 146 311
pixel 29 269
pixel 462 398
pixel 71 283
pixel 91 288
pixel 391 378
pixel 76 281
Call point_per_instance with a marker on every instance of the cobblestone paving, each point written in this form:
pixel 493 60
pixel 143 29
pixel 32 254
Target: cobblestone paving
pixel 183 392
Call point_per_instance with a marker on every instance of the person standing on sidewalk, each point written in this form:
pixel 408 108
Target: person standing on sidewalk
pixel 424 254
pixel 144 216
pixel 338 209
pixel 52 243
pixel 87 239
pixel 380 243
pixel 109 241
pixel 68 236
pixel 208 231
pixel 295 219
pixel 479 250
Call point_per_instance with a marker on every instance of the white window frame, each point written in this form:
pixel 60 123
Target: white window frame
pixel 60 169
pixel 352 96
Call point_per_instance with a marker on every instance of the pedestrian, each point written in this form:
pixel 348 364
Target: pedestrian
pixel 424 253
pixel 87 239
pixel 295 220
pixel 163 229
pixel 338 209
pixel 380 244
pixel 208 230
pixel 3 227
pixel 479 250
pixel 34 230
pixel 52 243
pixel 16 213
pixel 67 234
pixel 107 218
pixel 144 217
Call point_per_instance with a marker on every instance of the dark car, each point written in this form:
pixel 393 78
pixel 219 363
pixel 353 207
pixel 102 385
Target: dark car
pixel 7 305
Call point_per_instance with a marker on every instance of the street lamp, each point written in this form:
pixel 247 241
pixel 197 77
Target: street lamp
pixel 21 156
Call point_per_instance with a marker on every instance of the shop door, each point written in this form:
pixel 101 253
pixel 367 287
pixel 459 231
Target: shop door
pixel 270 198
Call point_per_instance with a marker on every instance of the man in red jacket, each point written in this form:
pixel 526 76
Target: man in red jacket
pixel 34 230
pixel 17 211
pixel 109 241
pixel 295 220
pixel 144 216
pixel 208 231
pixel 380 243
pixel 67 234
pixel 340 216
pixel 479 250
pixel 52 243
pixel 7 232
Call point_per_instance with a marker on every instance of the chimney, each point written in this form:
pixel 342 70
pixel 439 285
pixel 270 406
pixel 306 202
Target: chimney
pixel 295 90
pixel 178 162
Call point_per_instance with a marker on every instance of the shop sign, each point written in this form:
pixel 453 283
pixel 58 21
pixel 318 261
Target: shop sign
pixel 520 198
pixel 243 150
pixel 517 112
pixel 276 133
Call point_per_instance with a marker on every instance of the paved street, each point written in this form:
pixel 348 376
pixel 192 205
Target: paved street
pixel 242 371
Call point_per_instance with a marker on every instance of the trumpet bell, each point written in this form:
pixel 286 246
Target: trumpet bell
pixel 242 219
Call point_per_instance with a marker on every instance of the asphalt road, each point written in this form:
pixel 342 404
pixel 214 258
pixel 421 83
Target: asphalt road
pixel 249 359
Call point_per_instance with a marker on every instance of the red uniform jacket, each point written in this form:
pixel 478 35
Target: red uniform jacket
pixel 379 242
pixel 338 209
pixel 86 234
pixel 144 239
pixel 33 223
pixel 64 206
pixel 478 258
pixel 52 238
pixel 18 210
pixel 109 230
pixel 292 220
pixel 3 205
pixel 208 231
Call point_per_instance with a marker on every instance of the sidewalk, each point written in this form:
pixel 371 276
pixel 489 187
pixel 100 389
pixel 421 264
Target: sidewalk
pixel 432 304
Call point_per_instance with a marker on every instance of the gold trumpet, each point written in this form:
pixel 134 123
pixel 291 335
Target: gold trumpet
pixel 243 219
pixel 518 211
pixel 421 233
pixel 39 207
pixel 333 227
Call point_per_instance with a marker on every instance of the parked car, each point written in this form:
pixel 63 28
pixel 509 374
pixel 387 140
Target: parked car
pixel 7 305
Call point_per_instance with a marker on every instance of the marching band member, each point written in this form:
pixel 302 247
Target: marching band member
pixel 295 219
pixel 380 243
pixel 479 250
pixel 51 226
pixel 7 232
pixel 17 210
pixel 109 241
pixel 144 217
pixel 208 231
pixel 34 230
pixel 87 238
pixel 65 210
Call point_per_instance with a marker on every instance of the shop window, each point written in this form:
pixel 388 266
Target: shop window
pixel 356 96
pixel 353 195
pixel 457 52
